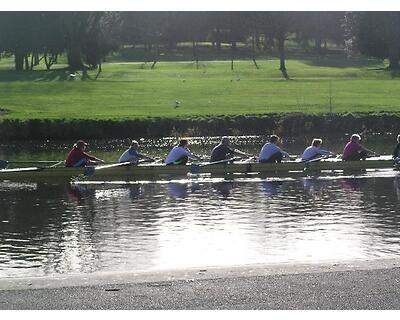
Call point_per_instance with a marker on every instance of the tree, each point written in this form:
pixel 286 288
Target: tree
pixel 319 27
pixel 375 34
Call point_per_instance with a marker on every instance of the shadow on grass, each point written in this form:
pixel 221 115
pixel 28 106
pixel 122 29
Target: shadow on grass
pixel 44 75
pixel 341 62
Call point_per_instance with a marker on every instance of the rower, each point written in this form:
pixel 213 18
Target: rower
pixel 271 153
pixel 132 155
pixel 224 152
pixel 314 151
pixel 77 157
pixel 180 154
pixel 396 151
pixel 354 151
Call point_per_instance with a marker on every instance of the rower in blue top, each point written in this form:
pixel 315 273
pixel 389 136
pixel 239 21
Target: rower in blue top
pixel 271 153
pixel 132 155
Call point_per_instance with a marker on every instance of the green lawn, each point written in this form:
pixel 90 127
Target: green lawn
pixel 131 90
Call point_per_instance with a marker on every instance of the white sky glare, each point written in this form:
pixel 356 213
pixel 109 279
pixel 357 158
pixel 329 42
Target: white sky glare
pixel 203 5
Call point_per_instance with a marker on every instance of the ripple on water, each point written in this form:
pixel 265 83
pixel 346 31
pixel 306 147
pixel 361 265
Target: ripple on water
pixel 148 226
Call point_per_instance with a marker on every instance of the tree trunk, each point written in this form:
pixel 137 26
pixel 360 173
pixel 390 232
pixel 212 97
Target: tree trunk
pixel 155 57
pixel 257 36
pixel 218 39
pixel 318 43
pixel 253 49
pixel 32 62
pixel 27 65
pixel 146 52
pixel 282 57
pixel 394 55
pixel 74 58
pixel 394 46
pixel 19 60
pixel 98 71
pixel 47 62
pixel 233 49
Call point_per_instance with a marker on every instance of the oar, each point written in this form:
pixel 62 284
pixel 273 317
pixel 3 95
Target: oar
pixel 5 163
pixel 195 167
pixel 322 157
pixel 89 171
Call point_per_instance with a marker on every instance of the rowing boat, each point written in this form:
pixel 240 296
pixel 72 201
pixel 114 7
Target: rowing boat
pixel 136 172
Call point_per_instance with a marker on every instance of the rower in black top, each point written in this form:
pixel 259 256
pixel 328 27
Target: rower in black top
pixel 224 152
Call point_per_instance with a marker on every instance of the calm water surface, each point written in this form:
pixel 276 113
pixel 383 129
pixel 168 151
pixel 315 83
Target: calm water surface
pixel 62 229
pixel 49 228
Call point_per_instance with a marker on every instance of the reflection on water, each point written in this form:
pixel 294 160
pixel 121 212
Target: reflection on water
pixel 50 229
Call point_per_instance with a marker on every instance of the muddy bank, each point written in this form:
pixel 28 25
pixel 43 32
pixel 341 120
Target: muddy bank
pixel 292 124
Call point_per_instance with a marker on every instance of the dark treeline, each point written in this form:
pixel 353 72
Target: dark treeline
pixel 290 124
pixel 85 38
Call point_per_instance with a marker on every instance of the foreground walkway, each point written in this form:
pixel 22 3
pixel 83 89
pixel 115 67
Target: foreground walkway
pixel 348 286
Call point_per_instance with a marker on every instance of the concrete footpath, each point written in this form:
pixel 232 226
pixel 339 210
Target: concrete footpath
pixel 356 285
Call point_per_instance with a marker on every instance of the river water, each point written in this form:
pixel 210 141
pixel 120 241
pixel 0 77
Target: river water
pixel 62 228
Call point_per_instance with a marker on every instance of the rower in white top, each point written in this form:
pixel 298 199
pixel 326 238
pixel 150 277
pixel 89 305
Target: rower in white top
pixel 271 153
pixel 180 154
pixel 315 152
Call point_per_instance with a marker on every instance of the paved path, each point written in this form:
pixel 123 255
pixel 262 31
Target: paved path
pixel 361 286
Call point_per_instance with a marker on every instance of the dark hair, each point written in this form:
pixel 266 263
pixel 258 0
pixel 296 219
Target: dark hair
pixel 273 138
pixel 183 142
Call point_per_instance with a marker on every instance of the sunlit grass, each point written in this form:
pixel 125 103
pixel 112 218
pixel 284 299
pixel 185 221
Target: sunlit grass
pixel 178 89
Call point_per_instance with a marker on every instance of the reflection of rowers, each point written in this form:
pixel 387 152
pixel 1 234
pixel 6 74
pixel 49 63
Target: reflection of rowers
pixel 180 154
pixel 178 190
pixel 272 188
pixel 396 185
pixel 224 188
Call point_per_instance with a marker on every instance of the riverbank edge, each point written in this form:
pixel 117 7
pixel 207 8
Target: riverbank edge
pixel 285 124
pixel 192 274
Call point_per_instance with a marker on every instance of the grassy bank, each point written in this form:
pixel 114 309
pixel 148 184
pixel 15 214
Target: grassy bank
pixel 178 90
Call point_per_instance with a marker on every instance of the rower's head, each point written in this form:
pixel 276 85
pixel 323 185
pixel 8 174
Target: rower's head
pixel 316 143
pixel 355 138
pixel 80 144
pixel 274 139
pixel 225 141
pixel 134 145
pixel 183 143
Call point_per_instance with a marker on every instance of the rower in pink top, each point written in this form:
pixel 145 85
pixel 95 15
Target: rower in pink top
pixel 354 151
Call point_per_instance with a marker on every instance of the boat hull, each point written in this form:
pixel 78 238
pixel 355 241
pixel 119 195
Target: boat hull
pixel 138 172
